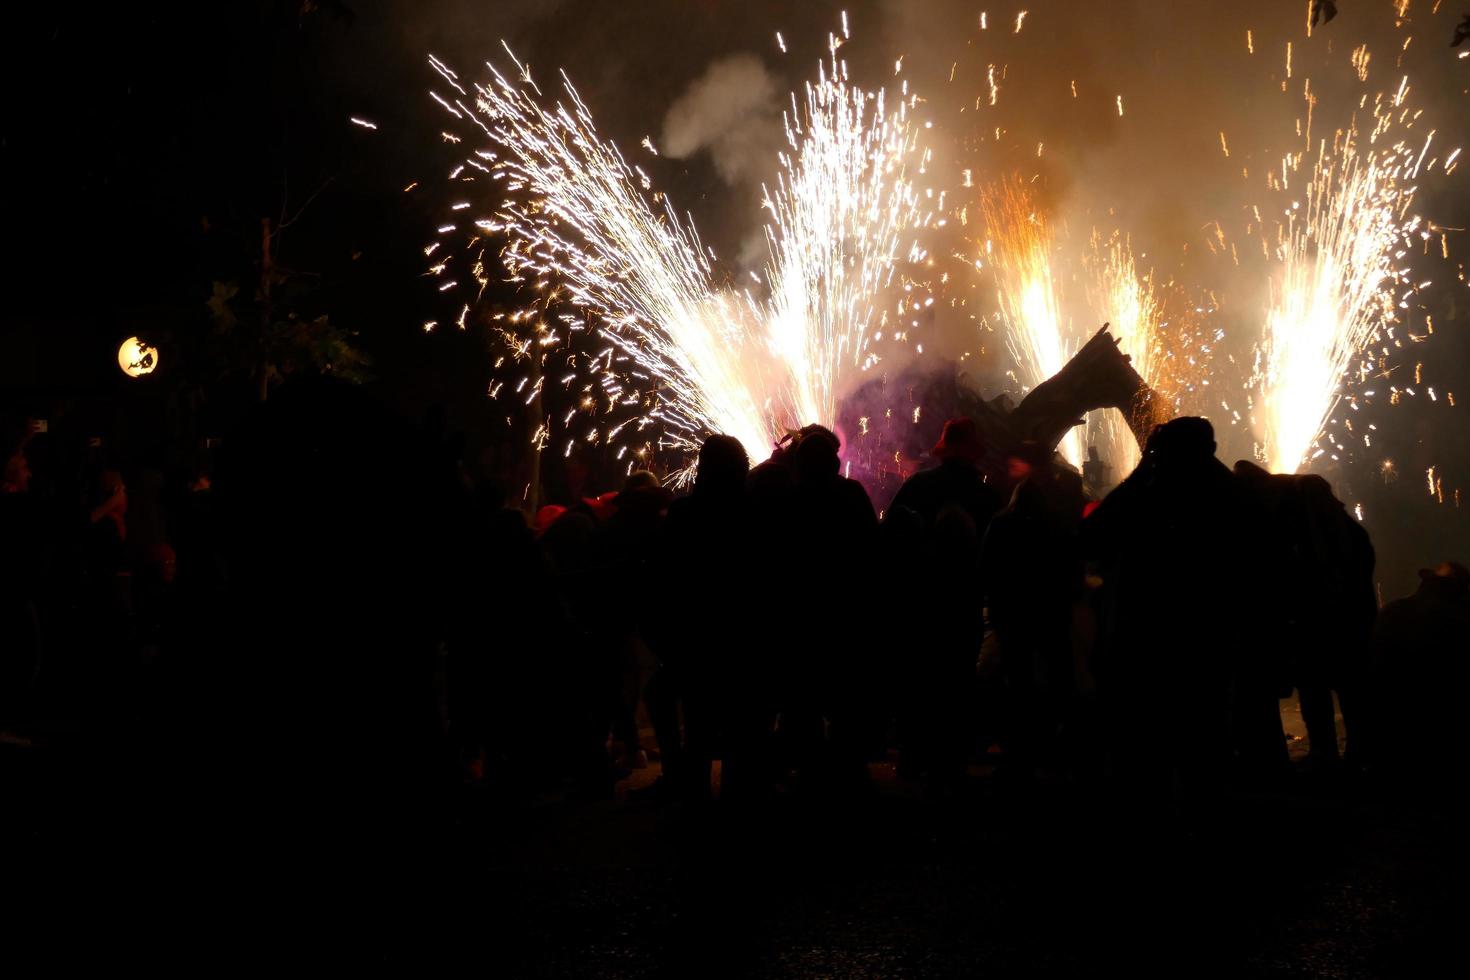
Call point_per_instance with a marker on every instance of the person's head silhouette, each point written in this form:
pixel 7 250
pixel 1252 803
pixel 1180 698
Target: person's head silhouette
pixel 1187 439
pixel 722 466
pixel 816 454
pixel 959 440
pixel 1448 580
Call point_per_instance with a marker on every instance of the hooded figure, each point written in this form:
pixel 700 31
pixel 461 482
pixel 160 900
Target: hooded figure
pixel 1181 556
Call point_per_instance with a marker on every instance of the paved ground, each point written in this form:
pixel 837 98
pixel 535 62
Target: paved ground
pixel 1319 879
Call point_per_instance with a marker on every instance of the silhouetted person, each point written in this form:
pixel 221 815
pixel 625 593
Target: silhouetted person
pixel 1323 561
pixel 160 640
pixel 1418 677
pixel 586 664
pixel 1175 548
pixel 105 660
pixel 20 583
pixel 1097 475
pixel 321 725
pixel 107 543
pixel 908 654
pixel 774 655
pixel 1033 582
pixel 955 483
pixel 155 600
pixel 832 666
pixel 700 639
pixel 1340 597
pixel 502 683
pixel 953 507
pixel 630 541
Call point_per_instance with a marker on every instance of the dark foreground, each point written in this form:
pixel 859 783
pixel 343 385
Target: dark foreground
pixel 1320 877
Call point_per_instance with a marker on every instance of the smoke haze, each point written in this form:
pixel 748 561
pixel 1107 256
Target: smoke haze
pixel 1160 122
pixel 731 112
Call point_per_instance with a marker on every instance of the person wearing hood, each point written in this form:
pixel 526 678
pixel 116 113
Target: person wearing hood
pixel 1180 554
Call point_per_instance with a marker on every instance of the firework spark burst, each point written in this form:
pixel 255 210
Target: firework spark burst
pixel 1338 276
pixel 1038 338
pixel 1127 300
pixel 838 213
pixel 683 349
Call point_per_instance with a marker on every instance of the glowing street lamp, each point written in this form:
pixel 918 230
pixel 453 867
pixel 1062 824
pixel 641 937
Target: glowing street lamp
pixel 137 358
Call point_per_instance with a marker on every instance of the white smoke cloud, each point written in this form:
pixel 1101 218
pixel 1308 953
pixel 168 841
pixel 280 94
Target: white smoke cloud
pixel 731 111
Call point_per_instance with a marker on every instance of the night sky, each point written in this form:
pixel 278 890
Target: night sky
pixel 141 144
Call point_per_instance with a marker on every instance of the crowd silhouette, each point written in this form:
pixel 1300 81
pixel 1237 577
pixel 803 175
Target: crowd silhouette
pixel 335 610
